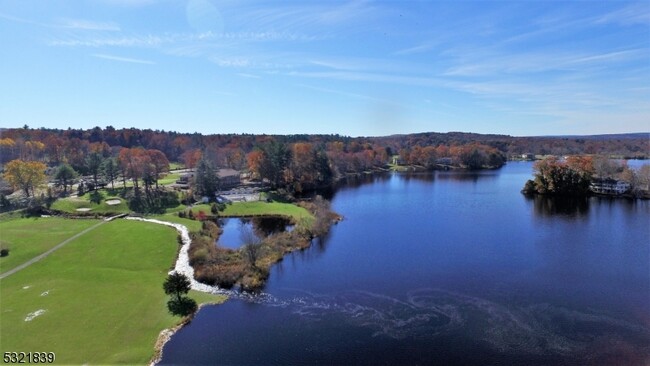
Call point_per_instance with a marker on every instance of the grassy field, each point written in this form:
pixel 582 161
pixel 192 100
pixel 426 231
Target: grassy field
pixel 192 225
pixel 259 208
pixel 71 204
pixel 176 165
pixel 29 237
pixel 169 179
pixel 101 295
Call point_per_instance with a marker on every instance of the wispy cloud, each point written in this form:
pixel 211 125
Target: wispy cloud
pixel 231 62
pixel 75 24
pixel 343 93
pixel 248 76
pixel 638 13
pixel 125 41
pixel 123 59
pixel 129 3
pixel 202 39
pixel 89 25
pixel 415 49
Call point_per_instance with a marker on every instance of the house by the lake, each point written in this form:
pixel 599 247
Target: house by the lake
pixel 609 186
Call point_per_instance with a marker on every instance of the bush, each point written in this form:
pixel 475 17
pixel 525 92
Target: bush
pixel 4 252
pixel 209 228
pixel 201 215
pixel 225 276
pixel 96 197
pixel 529 187
pixel 215 208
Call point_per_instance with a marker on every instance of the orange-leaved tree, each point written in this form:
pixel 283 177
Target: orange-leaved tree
pixel 25 175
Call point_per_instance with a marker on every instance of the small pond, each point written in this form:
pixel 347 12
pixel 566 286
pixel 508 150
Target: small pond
pixel 234 228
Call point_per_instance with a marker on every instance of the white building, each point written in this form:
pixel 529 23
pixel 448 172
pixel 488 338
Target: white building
pixel 609 186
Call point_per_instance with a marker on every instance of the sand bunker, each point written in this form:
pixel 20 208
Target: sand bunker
pixel 84 209
pixel 113 202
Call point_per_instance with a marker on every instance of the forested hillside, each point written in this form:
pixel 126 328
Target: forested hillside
pixel 306 155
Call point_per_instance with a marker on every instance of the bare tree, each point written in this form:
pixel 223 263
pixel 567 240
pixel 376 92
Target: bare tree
pixel 252 244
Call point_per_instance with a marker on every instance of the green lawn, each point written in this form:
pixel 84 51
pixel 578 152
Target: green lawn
pixel 102 295
pixel 258 208
pixel 169 179
pixel 28 237
pixel 192 225
pixel 176 165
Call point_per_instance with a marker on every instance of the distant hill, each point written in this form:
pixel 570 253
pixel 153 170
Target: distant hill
pixel 638 135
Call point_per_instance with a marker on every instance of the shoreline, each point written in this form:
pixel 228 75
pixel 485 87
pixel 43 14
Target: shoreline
pixel 183 266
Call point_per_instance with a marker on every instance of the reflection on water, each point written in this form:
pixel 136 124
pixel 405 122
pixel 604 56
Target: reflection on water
pixel 231 236
pixel 570 207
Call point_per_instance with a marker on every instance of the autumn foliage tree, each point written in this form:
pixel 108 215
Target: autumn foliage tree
pixel 556 177
pixel 25 175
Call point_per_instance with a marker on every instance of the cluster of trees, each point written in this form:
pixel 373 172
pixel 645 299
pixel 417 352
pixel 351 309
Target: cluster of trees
pixel 573 175
pixel 298 167
pixel 556 177
pixel 471 156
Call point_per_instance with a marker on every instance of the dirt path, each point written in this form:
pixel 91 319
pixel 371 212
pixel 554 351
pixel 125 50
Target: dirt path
pixel 41 256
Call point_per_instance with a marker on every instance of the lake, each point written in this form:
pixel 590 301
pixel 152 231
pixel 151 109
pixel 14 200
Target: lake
pixel 446 268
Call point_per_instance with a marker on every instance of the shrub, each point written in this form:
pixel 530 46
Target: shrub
pixel 201 215
pixel 4 252
pixel 209 228
pixel 225 276
pixel 215 208
pixel 96 197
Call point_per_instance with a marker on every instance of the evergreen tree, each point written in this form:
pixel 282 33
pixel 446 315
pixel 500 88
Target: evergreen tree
pixel 65 176
pixel 275 160
pixel 110 170
pixel 206 180
pixel 94 165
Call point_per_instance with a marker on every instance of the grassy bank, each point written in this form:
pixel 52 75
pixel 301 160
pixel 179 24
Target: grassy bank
pixel 101 295
pixel 260 208
pixel 28 237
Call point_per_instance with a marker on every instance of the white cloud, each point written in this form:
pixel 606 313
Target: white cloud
pixel 249 76
pixel 89 25
pixel 123 59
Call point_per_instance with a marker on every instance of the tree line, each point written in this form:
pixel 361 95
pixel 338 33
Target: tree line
pixel 294 162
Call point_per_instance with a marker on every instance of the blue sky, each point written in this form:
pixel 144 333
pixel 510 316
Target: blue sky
pixel 356 68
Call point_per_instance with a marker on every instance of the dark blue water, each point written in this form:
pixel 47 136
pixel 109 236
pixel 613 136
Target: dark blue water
pixel 447 268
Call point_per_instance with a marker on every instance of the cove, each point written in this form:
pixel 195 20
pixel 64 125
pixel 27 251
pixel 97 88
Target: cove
pixel 446 268
pixel 231 236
